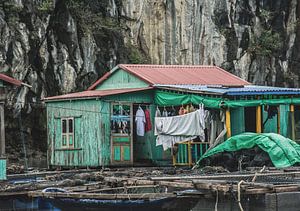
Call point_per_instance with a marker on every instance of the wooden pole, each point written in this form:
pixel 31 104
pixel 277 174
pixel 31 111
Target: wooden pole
pixel 190 154
pixel 2 131
pixel 174 157
pixel 258 119
pixel 292 110
pixel 278 119
pixel 227 122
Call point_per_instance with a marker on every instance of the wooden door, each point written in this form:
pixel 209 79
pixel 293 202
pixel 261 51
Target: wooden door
pixel 121 134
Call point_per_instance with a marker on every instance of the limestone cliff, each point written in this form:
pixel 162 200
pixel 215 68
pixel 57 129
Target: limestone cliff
pixel 59 46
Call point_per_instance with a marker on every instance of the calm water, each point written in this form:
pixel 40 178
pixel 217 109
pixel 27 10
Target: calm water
pixel 180 205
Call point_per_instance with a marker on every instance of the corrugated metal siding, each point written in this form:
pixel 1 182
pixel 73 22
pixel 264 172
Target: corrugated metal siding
pixel 234 91
pixel 2 169
pixel 121 79
pixel 91 130
pixel 183 74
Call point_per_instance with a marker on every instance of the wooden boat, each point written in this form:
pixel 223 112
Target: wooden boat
pixel 136 198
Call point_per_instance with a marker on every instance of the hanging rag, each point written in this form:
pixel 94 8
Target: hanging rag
pixel 148 125
pixel 157 112
pixel 165 113
pixel 168 142
pixel 171 130
pixel 187 125
pixel 140 121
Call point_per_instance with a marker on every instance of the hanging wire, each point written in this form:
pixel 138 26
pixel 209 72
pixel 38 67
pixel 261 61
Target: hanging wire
pixel 68 108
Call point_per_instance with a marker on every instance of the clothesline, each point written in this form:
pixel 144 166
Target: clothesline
pixel 200 123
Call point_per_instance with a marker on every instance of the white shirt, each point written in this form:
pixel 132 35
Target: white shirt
pixel 140 121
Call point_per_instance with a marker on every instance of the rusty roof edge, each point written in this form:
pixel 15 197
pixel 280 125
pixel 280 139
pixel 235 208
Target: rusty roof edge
pixel 221 69
pixel 187 90
pixel 57 98
pixel 10 80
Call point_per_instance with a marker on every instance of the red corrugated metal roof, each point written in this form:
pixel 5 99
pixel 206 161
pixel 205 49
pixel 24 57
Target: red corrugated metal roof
pixel 10 80
pixel 94 93
pixel 179 74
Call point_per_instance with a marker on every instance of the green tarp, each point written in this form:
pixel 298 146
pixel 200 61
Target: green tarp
pixel 166 98
pixel 282 151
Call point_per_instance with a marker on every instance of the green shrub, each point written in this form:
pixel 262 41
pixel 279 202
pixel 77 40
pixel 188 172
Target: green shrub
pixel 46 6
pixel 267 44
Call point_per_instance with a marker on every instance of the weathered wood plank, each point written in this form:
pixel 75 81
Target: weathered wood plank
pixel 224 176
pixel 102 196
pixel 176 184
pixel 122 188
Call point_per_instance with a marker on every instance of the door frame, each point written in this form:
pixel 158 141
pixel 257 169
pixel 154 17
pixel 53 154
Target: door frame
pixel 112 161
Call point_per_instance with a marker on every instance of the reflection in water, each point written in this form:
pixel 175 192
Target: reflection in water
pixel 23 203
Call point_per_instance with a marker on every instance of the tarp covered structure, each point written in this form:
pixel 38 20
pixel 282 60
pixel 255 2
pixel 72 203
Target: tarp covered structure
pixel 165 98
pixel 282 151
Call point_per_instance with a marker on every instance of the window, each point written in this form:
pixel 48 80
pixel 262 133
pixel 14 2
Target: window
pixel 67 131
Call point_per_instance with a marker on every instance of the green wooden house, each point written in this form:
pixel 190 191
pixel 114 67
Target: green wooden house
pixel 81 128
pixel 6 84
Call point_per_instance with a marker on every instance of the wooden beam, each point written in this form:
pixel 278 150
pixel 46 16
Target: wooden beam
pixel 227 122
pixel 132 196
pixel 188 185
pixel 2 131
pixel 292 112
pixel 258 119
pixel 190 154
pixel 223 176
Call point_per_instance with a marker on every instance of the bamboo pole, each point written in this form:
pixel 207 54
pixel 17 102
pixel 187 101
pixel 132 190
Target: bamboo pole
pixel 292 110
pixel 228 123
pixel 258 119
pixel 2 131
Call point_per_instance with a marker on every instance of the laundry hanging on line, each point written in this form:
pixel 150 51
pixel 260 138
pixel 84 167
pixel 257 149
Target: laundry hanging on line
pixel 140 121
pixel 148 125
pixel 171 130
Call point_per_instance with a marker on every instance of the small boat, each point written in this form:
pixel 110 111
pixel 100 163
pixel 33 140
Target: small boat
pixel 60 199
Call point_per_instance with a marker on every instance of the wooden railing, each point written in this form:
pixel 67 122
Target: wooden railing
pixel 188 153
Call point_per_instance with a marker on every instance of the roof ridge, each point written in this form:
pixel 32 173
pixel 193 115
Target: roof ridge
pixel 169 66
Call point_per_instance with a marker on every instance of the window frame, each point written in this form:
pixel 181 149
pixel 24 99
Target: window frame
pixel 65 136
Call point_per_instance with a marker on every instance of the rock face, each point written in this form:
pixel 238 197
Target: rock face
pixel 59 46
pixel 256 40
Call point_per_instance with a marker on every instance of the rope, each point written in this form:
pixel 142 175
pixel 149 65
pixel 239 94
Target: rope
pixel 255 175
pixel 239 194
pixel 217 200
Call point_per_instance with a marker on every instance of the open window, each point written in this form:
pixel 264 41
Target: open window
pixel 67 127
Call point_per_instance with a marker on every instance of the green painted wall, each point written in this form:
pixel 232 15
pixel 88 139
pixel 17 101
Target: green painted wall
pixel 91 133
pixel 2 169
pixel 237 121
pixel 135 97
pixel 121 79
